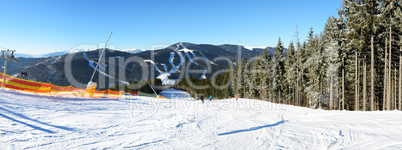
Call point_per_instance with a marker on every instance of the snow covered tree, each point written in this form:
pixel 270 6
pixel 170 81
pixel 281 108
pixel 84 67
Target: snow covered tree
pixel 357 45
pixel 239 78
pixel 313 65
pixel 332 66
pixel 264 64
pixel 331 53
pixel 390 16
pixel 251 79
pixel 233 79
pixel 278 71
pixel 290 73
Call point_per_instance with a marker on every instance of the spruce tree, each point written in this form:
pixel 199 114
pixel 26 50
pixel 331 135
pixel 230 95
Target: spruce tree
pixel 313 65
pixel 390 12
pixel 290 75
pixel 278 71
pixel 264 64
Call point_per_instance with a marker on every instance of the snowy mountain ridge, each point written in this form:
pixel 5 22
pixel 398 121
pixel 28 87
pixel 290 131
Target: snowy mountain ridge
pixel 164 75
pixel 132 51
pixel 167 63
pixel 252 47
pixel 60 53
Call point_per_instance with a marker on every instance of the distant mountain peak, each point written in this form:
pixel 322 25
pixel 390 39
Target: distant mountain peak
pixel 252 47
pixel 133 50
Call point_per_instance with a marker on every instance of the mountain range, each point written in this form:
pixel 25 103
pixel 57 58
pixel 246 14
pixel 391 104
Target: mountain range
pixel 186 60
pixel 60 53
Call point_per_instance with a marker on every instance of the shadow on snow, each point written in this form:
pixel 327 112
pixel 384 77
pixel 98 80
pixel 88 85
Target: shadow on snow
pixel 37 121
pixel 253 128
pixel 27 124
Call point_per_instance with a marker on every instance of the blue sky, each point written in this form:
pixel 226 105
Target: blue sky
pixel 46 26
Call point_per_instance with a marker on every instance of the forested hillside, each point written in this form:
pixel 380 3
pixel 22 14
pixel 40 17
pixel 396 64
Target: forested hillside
pixel 354 64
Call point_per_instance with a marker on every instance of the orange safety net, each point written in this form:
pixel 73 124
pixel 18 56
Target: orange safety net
pixel 14 83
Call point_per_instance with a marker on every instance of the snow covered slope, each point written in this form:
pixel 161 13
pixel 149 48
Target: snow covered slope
pixel 37 122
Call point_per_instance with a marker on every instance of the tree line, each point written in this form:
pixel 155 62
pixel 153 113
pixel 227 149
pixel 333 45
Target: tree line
pixel 354 64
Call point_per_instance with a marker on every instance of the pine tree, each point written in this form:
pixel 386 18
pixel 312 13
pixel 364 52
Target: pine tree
pixel 333 64
pixel 244 77
pixel 354 20
pixel 290 75
pixel 278 71
pixel 264 64
pixel 302 58
pixel 313 67
pixel 234 79
pixel 332 39
pixel 399 23
pixel 390 12
pixel 240 79
pixel 253 80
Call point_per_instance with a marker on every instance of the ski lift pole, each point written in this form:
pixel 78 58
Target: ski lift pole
pixel 91 86
pixel 100 57
pixel 5 55
pixel 5 66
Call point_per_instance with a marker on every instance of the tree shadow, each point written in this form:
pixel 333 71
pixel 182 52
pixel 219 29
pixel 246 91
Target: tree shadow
pixel 27 124
pixel 37 121
pixel 253 128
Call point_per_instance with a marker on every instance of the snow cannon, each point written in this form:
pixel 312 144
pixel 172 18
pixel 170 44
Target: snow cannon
pixel 89 92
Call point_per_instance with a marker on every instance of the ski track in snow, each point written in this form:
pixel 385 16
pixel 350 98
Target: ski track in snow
pixel 164 76
pixel 194 55
pixel 202 76
pixel 29 121
pixel 152 62
pixel 51 70
pixel 188 56
pixel 92 65
pixel 164 67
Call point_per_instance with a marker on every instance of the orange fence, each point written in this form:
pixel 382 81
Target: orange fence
pixel 18 84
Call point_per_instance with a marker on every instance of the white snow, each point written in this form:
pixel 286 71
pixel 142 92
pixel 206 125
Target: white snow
pixel 92 64
pixel 188 56
pixel 76 50
pixel 186 50
pixel 54 54
pixel 55 60
pixel 202 76
pixel 133 50
pixel 176 94
pixel 152 62
pixel 38 122
pixel 194 55
pixel 164 66
pixel 164 76
pixel 252 47
pixel 207 59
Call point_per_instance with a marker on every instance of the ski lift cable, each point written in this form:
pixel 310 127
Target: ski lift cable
pixel 151 87
pixel 100 57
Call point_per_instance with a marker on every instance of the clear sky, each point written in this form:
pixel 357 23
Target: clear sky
pixel 38 26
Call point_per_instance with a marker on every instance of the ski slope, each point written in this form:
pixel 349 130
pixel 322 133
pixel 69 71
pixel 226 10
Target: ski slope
pixel 37 122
